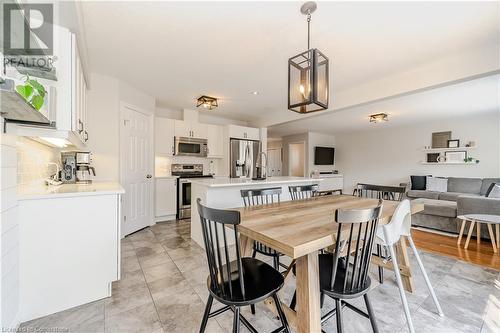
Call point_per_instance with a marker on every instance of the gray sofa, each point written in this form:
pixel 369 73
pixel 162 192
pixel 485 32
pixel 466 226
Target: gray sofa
pixel 464 196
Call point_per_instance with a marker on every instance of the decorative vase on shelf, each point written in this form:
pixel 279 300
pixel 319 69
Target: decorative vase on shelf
pixel 441 159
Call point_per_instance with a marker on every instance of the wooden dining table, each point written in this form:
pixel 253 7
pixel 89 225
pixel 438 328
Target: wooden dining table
pixel 299 229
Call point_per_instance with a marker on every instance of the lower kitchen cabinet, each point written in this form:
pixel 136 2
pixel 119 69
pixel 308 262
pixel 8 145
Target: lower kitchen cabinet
pixel 165 198
pixel 69 251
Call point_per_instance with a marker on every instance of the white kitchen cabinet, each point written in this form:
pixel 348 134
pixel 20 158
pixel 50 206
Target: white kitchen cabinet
pixel 242 132
pixel 164 136
pixel 215 138
pixel 331 182
pixel 199 130
pixel 190 129
pixel 67 96
pixel 69 247
pixel 165 198
pixel 78 94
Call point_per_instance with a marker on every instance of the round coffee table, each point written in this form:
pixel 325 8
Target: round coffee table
pixel 487 219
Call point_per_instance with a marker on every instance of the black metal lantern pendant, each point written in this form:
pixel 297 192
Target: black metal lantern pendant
pixel 308 75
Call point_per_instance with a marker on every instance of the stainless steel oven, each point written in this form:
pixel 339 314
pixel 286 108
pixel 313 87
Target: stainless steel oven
pixel 190 146
pixel 186 173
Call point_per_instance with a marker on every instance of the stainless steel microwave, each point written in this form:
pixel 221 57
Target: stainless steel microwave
pixel 185 146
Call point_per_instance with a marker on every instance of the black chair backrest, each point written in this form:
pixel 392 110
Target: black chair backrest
pixel 213 226
pixel 303 191
pixel 394 193
pixel 356 231
pixel 263 196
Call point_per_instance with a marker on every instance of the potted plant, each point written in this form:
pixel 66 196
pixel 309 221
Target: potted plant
pixel 33 92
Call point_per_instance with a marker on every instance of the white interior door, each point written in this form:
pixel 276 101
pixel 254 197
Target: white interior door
pixel 136 169
pixel 274 163
pixel 296 159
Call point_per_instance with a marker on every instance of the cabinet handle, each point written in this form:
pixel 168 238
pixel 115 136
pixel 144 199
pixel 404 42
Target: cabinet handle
pixel 80 126
pixel 149 176
pixel 86 136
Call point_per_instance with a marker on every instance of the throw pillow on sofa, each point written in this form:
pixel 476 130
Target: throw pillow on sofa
pixel 436 184
pixel 418 182
pixel 494 192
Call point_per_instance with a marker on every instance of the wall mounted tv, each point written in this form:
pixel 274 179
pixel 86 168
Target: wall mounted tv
pixel 324 156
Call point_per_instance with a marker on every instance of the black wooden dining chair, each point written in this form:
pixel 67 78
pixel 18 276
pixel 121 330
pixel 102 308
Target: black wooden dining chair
pixel 299 192
pixel 393 193
pixel 344 273
pixel 241 282
pixel 264 196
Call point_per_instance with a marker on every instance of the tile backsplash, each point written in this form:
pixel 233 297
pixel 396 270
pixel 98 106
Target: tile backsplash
pixel 33 160
pixel 163 164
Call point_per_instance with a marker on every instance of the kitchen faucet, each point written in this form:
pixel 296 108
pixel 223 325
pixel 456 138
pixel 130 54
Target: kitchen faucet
pixel 261 167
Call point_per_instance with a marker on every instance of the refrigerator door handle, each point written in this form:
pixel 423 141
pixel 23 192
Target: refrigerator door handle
pixel 247 161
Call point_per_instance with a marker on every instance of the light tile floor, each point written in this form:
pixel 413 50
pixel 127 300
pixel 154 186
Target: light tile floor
pixel 163 289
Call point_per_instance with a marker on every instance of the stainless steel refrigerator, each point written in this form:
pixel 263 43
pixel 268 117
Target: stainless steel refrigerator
pixel 243 158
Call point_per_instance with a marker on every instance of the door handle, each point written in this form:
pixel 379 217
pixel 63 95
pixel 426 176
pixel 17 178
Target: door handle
pixel 149 176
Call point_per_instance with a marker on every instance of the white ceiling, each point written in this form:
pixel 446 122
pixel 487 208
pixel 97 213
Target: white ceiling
pixel 472 97
pixel 176 51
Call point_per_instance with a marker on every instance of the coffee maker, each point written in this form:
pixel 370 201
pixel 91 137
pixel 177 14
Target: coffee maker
pixel 68 172
pixel 76 167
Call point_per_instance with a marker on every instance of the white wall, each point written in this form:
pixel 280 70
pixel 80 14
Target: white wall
pixel 104 99
pixel 203 117
pixel 389 156
pixel 9 233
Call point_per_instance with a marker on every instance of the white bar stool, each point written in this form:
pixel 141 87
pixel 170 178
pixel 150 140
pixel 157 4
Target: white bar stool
pixel 389 235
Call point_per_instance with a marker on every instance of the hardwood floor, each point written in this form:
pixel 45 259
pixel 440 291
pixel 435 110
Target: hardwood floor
pixel 481 254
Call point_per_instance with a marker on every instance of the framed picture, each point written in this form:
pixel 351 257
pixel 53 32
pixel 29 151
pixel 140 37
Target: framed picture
pixel 453 143
pixel 455 156
pixel 432 157
pixel 440 139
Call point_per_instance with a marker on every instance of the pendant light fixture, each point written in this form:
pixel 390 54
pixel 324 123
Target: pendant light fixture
pixel 308 74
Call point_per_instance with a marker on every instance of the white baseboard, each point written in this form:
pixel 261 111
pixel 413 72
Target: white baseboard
pixel 164 218
pixel 438 232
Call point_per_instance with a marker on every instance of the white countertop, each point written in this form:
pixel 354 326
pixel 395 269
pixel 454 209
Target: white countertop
pixel 235 182
pixel 29 192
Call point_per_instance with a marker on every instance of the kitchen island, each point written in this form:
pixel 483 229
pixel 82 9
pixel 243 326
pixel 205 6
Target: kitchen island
pixel 225 193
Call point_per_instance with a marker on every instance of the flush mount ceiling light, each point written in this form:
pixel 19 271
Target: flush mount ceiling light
pixel 379 117
pixel 207 102
pixel 308 74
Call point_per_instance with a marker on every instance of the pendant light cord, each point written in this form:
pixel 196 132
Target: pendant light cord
pixel 308 29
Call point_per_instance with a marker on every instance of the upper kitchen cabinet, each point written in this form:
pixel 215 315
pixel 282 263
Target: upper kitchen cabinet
pixel 78 94
pixel 242 132
pixel 66 96
pixel 215 141
pixel 164 136
pixel 190 129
